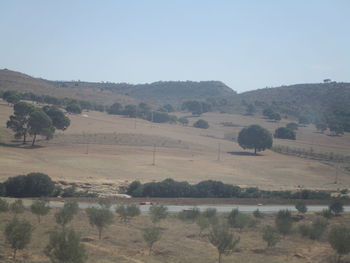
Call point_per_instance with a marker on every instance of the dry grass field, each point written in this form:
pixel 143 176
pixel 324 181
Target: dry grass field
pixel 100 148
pixel 180 242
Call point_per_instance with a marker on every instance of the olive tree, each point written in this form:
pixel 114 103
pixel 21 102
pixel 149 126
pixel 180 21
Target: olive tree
pixel 40 124
pixel 126 212
pixel 270 236
pixel 17 207
pixel 66 214
pixel 40 208
pixel 339 239
pixel 158 212
pixel 18 234
pixel 151 235
pixel 255 137
pixel 284 221
pixel 223 239
pixel 65 247
pixel 99 217
pixel 4 206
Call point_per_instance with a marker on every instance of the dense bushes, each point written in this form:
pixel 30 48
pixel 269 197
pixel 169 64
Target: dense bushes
pixel 210 188
pixel 201 124
pixel 284 133
pixel 30 185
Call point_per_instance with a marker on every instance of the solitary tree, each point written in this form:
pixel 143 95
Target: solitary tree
pixel 158 212
pixel 221 237
pixel 151 235
pixel 40 124
pixel 40 208
pixel 270 236
pixel 99 217
pixel 284 221
pixel 19 121
pixel 18 235
pixel 255 137
pixel 65 247
pixel 339 238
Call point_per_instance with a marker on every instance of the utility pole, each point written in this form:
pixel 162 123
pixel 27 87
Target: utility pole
pixel 219 151
pixel 154 155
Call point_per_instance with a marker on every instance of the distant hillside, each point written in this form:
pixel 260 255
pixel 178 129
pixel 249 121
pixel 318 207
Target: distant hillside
pixel 159 93
pixel 318 102
pixel 11 80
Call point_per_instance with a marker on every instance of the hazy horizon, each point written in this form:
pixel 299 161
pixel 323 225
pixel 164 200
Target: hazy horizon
pixel 246 45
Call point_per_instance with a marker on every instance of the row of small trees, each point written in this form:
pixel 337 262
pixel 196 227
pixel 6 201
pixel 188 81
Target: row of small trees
pixel 64 243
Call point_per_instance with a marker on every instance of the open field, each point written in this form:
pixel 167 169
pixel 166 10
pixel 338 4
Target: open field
pixel 180 242
pixel 101 148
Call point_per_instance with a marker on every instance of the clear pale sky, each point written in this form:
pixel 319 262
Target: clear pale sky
pixel 246 44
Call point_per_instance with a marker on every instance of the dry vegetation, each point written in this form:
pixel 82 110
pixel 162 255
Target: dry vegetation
pixel 101 148
pixel 180 242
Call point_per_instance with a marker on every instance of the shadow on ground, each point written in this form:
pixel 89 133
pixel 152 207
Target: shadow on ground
pixel 245 154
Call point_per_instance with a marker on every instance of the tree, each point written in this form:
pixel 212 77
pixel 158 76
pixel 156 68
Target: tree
pixel 17 207
pixel 158 212
pixel 201 124
pixel 4 206
pixel 183 120
pixel 292 126
pixel 59 120
pixel 284 221
pixel 66 214
pixel 116 108
pixel 18 234
pixel 40 124
pixel 255 137
pixel 221 237
pixel 339 239
pixel 203 223
pixel 99 217
pixel 336 128
pixel 130 110
pixel 336 207
pixel 239 220
pixel 284 133
pixel 126 212
pixel 303 120
pixel 151 235
pixel 65 247
pixel 258 214
pixel 40 208
pixel 73 108
pixel 270 236
pixel 11 96
pixel 19 121
pixel 301 207
pixel 30 185
pixel 314 230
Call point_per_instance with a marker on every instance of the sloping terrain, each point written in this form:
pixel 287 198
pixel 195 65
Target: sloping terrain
pixel 101 148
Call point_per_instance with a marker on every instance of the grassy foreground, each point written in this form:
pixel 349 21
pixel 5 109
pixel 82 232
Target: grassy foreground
pixel 180 242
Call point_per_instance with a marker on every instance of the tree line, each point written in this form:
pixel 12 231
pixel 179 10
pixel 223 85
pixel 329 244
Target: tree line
pixel 214 189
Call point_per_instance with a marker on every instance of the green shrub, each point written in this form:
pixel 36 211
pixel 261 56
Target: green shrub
pixel 151 235
pixel 158 212
pixel 327 213
pixel 258 214
pixel 301 207
pixel 189 214
pixel 336 207
pixel 202 124
pixel 270 236
pixel 40 208
pixel 284 221
pixel 99 217
pixel 339 239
